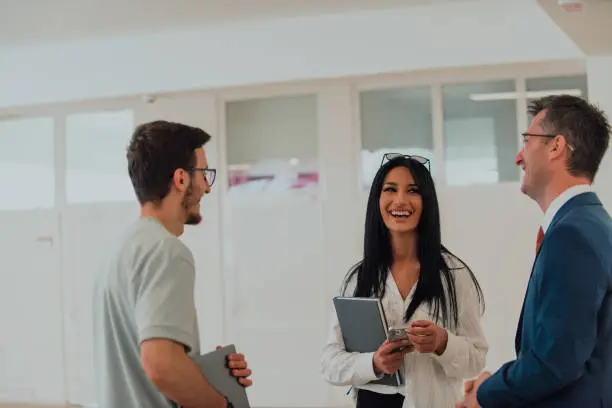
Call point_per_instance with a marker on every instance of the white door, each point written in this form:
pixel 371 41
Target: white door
pixel 31 349
pixel 273 245
pixel 277 298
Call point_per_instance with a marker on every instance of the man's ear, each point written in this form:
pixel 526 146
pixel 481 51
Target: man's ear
pixel 557 146
pixel 180 179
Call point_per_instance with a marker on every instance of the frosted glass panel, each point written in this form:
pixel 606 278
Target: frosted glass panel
pixel 575 85
pixel 27 173
pixel 272 146
pixel 538 87
pixel 480 133
pixel 397 121
pixel 474 162
pixel 96 164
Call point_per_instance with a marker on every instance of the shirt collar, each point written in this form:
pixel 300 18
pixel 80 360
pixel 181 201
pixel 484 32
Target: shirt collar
pixel 561 199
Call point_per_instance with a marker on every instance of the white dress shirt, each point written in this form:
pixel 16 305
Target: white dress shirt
pixel 560 200
pixel 432 381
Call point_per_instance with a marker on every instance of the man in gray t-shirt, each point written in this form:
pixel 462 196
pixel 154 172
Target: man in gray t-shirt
pixel 145 324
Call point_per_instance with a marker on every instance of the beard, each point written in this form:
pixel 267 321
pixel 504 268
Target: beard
pixel 190 200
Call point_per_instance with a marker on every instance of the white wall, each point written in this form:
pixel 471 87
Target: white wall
pixel 316 237
pixel 599 71
pixel 336 45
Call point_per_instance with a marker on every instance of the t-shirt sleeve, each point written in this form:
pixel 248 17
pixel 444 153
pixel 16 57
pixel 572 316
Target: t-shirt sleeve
pixel 164 295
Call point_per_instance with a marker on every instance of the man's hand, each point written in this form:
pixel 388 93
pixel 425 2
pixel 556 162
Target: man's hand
pixel 240 369
pixel 427 337
pixel 470 389
pixel 176 375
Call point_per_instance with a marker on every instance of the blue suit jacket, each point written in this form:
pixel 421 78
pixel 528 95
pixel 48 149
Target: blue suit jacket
pixel 564 336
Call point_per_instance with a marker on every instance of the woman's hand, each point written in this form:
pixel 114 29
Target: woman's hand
pixel 387 359
pixel 427 337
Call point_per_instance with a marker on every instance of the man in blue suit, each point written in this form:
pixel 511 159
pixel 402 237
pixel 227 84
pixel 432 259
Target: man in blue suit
pixel 564 336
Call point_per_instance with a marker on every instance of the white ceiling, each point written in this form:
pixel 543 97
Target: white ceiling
pixel 37 21
pixel 590 29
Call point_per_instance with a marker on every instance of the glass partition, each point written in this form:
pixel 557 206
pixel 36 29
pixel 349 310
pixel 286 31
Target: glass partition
pixel 394 120
pixel 480 133
pixel 27 171
pixel 272 145
pixel 538 87
pixel 96 164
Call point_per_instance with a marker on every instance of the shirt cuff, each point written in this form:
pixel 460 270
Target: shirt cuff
pixel 450 352
pixel 169 333
pixel 483 396
pixel 364 368
pixel 480 397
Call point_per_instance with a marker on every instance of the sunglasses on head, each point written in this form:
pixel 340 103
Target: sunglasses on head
pixel 391 156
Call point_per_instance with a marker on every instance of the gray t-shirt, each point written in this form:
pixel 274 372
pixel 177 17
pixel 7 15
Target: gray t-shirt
pixel 144 290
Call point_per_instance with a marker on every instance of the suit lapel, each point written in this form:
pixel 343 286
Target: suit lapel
pixel 577 201
pixel 519 329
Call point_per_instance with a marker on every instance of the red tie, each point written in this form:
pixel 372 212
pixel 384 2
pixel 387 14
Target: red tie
pixel 539 240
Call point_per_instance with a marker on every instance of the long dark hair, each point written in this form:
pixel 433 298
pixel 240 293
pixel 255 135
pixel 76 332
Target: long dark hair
pixel 373 269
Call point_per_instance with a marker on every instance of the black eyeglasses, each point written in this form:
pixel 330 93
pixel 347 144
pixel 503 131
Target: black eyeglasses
pixel 545 135
pixel 209 174
pixel 390 156
pixel 548 136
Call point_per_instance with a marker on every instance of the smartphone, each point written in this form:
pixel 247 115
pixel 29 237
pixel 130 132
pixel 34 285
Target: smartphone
pixel 397 335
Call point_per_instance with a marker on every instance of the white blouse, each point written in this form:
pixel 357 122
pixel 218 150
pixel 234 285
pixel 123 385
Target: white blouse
pixel 432 381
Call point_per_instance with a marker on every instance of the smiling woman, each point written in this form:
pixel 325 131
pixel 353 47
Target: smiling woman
pixel 424 289
pixel 400 201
